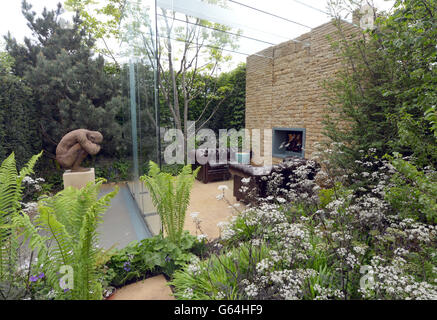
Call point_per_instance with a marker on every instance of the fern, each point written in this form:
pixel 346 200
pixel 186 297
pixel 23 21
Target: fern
pixel 171 196
pixel 11 191
pixel 70 220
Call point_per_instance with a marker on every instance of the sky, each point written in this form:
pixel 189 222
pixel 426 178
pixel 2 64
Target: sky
pixel 11 18
pixel 253 23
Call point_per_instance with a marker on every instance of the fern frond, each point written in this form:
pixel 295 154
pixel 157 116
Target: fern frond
pixel 28 168
pixel 9 202
pixel 61 252
pixel 171 196
pixel 10 196
pixel 70 219
pixel 86 251
pixel 37 243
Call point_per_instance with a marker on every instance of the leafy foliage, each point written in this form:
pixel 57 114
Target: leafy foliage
pixel 220 276
pixel 117 170
pixel 151 256
pixel 414 193
pixel 171 196
pixel 11 191
pixel 173 169
pixel 356 241
pixel 99 28
pixel 385 97
pixel 57 85
pixel 68 221
pixel 184 75
pixel 231 111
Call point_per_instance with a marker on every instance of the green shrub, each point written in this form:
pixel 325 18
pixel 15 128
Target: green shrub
pixel 326 196
pixel 384 96
pixel 123 169
pixel 173 169
pixel 113 171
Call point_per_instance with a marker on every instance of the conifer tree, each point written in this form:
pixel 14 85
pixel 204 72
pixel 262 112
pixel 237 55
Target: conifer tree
pixel 70 87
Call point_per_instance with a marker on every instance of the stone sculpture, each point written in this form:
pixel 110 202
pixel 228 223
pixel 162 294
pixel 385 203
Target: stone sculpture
pixel 75 146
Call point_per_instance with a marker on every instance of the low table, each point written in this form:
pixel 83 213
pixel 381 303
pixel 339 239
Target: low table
pixel 243 171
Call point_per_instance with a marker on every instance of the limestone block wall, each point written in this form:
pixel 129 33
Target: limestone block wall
pixel 287 90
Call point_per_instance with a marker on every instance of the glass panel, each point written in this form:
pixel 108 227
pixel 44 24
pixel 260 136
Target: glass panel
pixel 138 52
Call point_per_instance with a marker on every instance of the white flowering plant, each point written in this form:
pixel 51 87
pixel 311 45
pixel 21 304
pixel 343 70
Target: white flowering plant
pixel 346 241
pixel 35 188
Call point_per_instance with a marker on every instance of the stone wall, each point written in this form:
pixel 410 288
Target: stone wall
pixel 287 90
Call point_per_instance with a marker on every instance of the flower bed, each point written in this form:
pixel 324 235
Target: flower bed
pixel 350 241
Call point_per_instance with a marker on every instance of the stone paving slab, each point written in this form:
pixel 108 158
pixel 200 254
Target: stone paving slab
pixel 154 288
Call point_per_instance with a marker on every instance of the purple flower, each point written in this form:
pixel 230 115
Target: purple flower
pixel 126 266
pixel 36 278
pixel 66 290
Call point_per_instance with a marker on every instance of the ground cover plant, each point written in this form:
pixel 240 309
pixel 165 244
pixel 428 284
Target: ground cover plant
pixel 149 257
pixel 219 277
pixel 358 221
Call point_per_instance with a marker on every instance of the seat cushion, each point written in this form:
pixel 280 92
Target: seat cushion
pixel 217 165
pixel 248 170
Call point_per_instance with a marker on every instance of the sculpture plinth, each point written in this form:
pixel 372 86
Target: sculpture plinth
pixel 78 179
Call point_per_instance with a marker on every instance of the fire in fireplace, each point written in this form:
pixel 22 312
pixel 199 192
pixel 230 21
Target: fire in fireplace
pixel 288 142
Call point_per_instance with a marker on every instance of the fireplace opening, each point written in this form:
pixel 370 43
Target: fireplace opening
pixel 288 142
